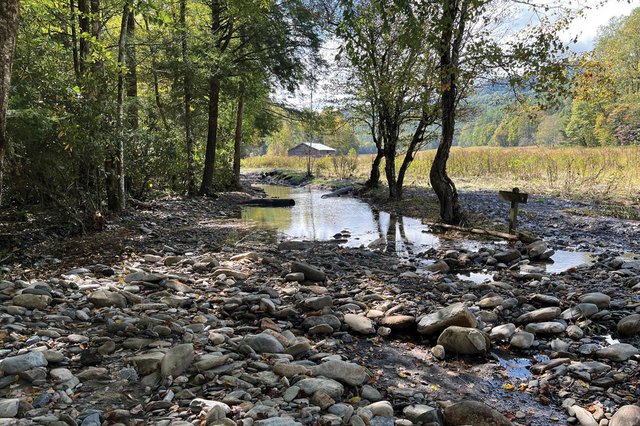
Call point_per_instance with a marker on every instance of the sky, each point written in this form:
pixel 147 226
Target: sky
pixel 585 28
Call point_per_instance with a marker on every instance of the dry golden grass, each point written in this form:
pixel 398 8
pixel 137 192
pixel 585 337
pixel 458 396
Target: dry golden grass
pixel 611 173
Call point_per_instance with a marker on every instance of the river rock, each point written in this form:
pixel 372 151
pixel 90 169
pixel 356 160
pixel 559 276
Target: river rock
pixel 601 300
pixel 584 417
pixel 629 325
pixel 502 332
pixel 618 352
pixel 464 340
pixel 522 340
pixel 347 372
pixel 318 302
pixel 422 414
pixel 9 408
pixel 398 322
pixel 548 327
pixel 329 386
pixel 456 314
pixel 147 363
pixel 177 360
pixel 313 321
pixel 381 408
pixel 19 363
pixel 32 301
pixel 581 310
pixel 627 415
pixel 507 256
pixel 539 250
pixel 490 302
pixel 106 298
pixel 264 343
pixel 311 273
pixel 359 323
pixel 473 413
pixel 539 315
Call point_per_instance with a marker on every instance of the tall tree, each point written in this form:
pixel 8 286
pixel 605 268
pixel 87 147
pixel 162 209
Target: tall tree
pixel 469 47
pixel 393 77
pixel 187 86
pixel 221 41
pixel 9 11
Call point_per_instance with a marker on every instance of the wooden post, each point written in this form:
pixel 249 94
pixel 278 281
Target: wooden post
pixel 515 197
pixel 513 214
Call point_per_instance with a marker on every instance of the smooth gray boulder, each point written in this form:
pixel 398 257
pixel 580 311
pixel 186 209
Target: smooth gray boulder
pixel 456 314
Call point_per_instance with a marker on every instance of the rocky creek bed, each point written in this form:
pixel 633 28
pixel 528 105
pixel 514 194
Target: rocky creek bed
pixel 196 318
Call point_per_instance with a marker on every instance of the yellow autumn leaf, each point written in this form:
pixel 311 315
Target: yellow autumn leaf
pixel 508 387
pixel 403 375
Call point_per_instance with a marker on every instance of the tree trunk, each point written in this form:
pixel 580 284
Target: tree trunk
pixel 85 33
pixel 374 176
pixel 237 144
pixel 390 168
pixel 132 73
pixel 449 52
pixel 416 142
pixel 9 11
pixel 120 123
pixel 191 175
pixel 74 40
pixel 206 188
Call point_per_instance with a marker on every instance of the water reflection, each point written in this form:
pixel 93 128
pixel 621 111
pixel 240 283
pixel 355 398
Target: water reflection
pixel 317 218
pixel 321 219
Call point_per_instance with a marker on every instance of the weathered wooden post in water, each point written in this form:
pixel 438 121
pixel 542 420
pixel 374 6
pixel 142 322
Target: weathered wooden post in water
pixel 515 197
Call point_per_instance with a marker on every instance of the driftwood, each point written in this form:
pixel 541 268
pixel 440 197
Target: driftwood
pixel 477 231
pixel 270 202
pixel 338 192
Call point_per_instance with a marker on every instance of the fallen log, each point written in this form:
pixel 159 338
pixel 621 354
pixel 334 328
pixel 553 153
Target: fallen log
pixel 338 192
pixel 269 202
pixel 477 231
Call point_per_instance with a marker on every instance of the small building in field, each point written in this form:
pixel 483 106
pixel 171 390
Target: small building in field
pixel 309 149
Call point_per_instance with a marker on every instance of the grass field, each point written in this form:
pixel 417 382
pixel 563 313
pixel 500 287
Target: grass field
pixel 608 173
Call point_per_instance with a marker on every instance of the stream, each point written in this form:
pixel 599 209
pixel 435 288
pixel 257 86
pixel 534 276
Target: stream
pixel 353 223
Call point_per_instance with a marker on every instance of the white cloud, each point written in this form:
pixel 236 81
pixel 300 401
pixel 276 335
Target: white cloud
pixel 586 27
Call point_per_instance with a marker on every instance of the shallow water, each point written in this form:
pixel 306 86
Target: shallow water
pixel 322 219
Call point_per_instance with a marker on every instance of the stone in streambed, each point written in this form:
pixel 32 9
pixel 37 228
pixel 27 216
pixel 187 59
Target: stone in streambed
pixel 359 323
pixel 347 372
pixel 311 273
pixel 177 360
pixel 628 415
pixel 106 298
pixel 456 314
pixel 329 386
pixel 539 315
pixel 464 340
pixel 19 363
pixel 618 352
pixel 264 343
pixel 32 301
pixel 473 413
pixel 629 325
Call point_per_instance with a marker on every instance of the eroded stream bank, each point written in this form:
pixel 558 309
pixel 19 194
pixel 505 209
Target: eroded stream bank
pixel 204 319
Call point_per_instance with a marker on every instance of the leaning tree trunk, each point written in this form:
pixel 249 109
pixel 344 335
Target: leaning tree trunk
pixel 206 187
pixel 450 46
pixel 237 145
pixel 374 176
pixel 9 10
